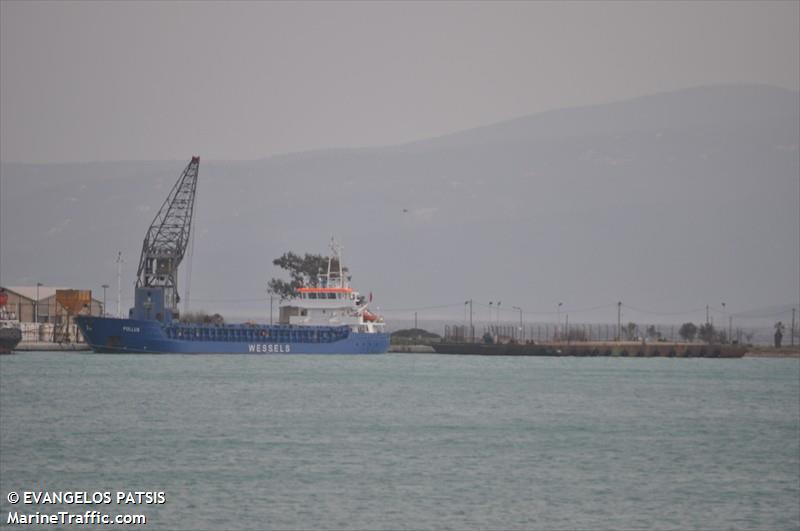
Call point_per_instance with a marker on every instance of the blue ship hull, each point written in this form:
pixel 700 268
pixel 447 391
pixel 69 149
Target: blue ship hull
pixel 104 334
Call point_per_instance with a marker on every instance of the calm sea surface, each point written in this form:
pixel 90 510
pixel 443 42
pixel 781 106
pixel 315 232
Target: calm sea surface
pixel 409 441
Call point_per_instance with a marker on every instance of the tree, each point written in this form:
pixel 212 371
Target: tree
pixel 411 336
pixel 652 332
pixel 201 317
pixel 707 333
pixel 688 331
pixel 576 334
pixel 303 271
pixel 778 334
pixel 630 331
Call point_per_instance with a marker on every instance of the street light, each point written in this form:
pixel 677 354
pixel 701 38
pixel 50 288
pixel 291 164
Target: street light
pixel 104 286
pixel 36 306
pixel 730 324
pixel 723 315
pixel 471 328
pixel 558 325
pixel 520 320
pixel 269 294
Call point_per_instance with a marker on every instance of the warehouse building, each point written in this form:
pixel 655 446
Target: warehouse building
pixel 41 317
pixel 38 303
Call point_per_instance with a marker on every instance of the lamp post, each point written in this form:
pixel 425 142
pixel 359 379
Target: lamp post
pixel 724 313
pixel 119 284
pixel 104 286
pixel 36 305
pixel 269 294
pixel 472 335
pixel 520 320
pixel 558 324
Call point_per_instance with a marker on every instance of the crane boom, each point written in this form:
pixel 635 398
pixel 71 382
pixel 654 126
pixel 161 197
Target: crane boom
pixel 167 239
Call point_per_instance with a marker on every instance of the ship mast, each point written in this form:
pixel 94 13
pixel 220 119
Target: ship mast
pixel 336 249
pixel 167 238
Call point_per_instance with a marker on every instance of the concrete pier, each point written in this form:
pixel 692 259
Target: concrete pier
pixel 48 346
pixel 595 348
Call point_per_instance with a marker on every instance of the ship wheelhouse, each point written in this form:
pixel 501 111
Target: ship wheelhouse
pixel 331 302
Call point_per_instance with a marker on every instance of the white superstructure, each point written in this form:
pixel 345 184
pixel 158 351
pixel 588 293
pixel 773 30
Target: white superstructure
pixel 332 302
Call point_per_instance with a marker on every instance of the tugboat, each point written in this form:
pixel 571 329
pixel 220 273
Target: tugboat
pixel 328 318
pixel 10 332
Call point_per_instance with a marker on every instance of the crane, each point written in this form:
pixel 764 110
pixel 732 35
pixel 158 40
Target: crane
pixel 163 250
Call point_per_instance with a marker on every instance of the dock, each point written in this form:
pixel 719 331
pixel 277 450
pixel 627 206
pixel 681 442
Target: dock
pixel 49 346
pixel 595 348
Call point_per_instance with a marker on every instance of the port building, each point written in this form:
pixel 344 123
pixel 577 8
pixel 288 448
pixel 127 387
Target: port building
pixel 39 305
pixel 43 311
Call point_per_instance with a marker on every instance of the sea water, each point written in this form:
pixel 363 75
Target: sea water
pixel 408 441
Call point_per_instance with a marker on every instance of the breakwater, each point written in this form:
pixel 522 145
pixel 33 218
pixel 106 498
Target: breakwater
pixel 585 349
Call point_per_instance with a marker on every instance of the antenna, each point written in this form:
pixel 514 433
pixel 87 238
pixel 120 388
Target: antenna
pixel 336 249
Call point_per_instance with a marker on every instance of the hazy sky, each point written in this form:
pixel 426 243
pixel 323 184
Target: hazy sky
pixel 146 81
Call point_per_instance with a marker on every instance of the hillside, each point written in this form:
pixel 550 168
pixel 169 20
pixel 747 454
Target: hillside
pixel 668 201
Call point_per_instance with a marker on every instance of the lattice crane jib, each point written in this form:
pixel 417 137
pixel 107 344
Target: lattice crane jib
pixel 168 237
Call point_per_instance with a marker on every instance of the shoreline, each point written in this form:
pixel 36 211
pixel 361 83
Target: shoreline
pixel 751 352
pixel 40 346
pixel 772 352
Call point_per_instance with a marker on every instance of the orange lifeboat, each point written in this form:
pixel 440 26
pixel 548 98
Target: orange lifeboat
pixel 369 316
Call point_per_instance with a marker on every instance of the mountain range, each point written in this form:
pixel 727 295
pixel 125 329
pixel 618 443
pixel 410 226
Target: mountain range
pixel 668 202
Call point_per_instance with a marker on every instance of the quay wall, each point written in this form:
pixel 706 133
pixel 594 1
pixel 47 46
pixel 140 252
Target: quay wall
pixel 583 349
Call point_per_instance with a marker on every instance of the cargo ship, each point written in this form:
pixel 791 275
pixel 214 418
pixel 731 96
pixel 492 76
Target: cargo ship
pixel 326 316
